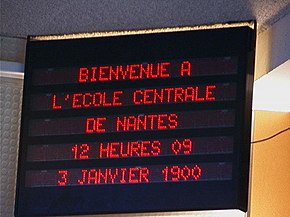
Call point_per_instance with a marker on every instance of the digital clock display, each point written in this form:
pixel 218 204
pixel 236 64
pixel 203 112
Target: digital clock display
pixel 136 123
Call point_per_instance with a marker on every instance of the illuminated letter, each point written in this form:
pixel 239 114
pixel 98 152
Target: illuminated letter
pixel 124 73
pixel 155 148
pixel 144 172
pixel 160 122
pixel 196 95
pixel 92 177
pixel 54 106
pixel 87 99
pixel 116 98
pixel 75 100
pixel 99 125
pixel 103 176
pixel 121 126
pixel 101 73
pixel 114 149
pixel 132 71
pixel 83 180
pixel 185 69
pixel 83 75
pixel 104 100
pixel 145 71
pixel 135 97
pixel 132 175
pixel 163 69
pixel 196 172
pixel 105 150
pixel 208 93
pixel 178 94
pixel 173 121
pixel 93 79
pixel 123 173
pixel 90 125
pixel 63 177
pixel 113 174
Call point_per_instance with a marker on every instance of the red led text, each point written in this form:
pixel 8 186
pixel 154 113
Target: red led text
pixel 147 122
pixel 62 177
pixel 134 97
pixel 182 147
pixel 95 125
pixel 177 173
pixel 139 148
pixel 123 72
pixel 80 151
pixel 173 95
pixel 117 175
pixel 129 175
pixel 129 149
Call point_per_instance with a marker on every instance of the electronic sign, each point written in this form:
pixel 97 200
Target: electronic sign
pixel 136 123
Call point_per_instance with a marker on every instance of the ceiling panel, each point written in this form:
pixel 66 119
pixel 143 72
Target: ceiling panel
pixel 38 17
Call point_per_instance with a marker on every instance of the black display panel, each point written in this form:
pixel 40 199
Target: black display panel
pixel 136 123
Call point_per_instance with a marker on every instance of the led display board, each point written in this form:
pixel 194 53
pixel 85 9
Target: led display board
pixel 136 123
